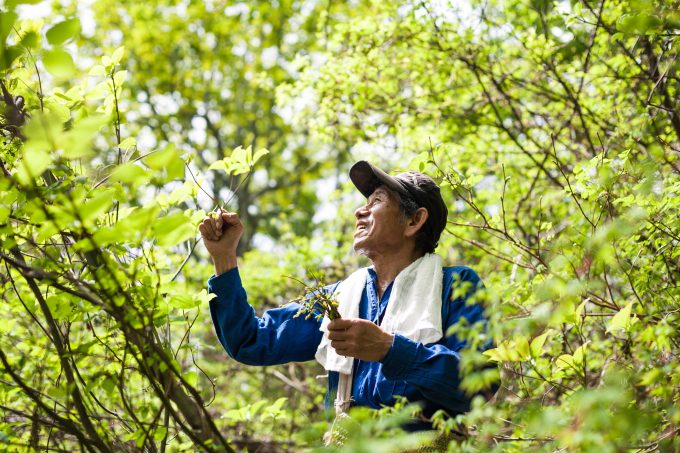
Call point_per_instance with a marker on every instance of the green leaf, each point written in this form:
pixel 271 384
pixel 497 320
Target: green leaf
pixel 97 70
pixel 63 31
pixel 108 385
pixel 128 144
pixel 255 408
pixel 59 63
pixel 573 361
pixel 7 325
pixel 8 55
pixel 13 3
pixel 59 306
pixel 493 355
pixel 259 154
pixel 4 213
pixel 621 320
pixel 97 205
pixel 160 433
pixel 191 378
pixel 60 110
pixel 172 229
pixel 46 231
pixel 537 344
pixel 168 160
pixel 640 23
pixel 130 173
pixel 57 391
pixel 509 351
pixel 7 21
pixel 234 414
pixel 160 159
pixel 119 77
pixel 183 302
pixel 578 313
pixel 117 55
pixel 30 40
pixel 204 296
pixel 220 165
pixel 565 361
pixel 278 404
pixel 238 155
pixel 131 227
pixel 77 142
pixel 35 161
pixel 580 352
pixel 522 348
pixel 43 129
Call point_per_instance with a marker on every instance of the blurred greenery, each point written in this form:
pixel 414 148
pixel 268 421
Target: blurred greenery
pixel 553 128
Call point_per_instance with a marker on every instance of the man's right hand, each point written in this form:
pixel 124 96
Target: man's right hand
pixel 221 234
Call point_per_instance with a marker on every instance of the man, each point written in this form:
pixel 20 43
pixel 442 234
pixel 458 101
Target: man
pixel 391 339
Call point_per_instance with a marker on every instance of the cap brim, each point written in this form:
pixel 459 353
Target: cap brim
pixel 367 178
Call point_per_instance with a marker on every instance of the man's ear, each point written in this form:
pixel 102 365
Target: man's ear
pixel 416 222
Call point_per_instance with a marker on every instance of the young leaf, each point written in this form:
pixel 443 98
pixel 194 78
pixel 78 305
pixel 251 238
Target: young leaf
pixel 97 205
pixel 493 355
pixel 160 159
pixel 77 142
pixel 172 229
pixel 35 161
pixel 183 302
pixel 7 20
pixel 63 31
pixel 8 54
pixel 537 344
pixel 59 63
pixel 621 320
pixel 119 77
pixel 117 55
pixel 522 348
pixel 259 154
pixel 129 173
pixel 128 144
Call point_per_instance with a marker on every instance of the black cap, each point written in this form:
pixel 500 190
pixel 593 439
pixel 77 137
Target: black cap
pixel 417 186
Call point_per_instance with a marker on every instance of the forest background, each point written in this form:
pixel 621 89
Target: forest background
pixel 552 126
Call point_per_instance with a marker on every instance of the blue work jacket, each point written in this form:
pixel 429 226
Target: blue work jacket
pixel 423 373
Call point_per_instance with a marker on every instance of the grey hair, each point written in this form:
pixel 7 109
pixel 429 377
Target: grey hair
pixel 424 241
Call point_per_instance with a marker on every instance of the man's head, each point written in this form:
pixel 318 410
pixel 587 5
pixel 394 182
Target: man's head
pixel 418 196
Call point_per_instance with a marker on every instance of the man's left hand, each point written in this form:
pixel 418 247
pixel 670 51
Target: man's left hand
pixel 360 339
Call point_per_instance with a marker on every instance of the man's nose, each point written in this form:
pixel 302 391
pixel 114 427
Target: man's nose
pixel 361 211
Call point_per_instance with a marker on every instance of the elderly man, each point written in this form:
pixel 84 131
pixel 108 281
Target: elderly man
pixel 391 339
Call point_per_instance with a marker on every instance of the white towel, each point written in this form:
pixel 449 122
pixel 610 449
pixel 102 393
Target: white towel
pixel 413 310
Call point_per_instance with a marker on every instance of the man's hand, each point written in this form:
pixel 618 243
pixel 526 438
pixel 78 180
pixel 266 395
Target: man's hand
pixel 360 339
pixel 221 234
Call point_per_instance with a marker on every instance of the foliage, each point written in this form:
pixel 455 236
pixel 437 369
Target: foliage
pixel 97 347
pixel 553 127
pixel 202 77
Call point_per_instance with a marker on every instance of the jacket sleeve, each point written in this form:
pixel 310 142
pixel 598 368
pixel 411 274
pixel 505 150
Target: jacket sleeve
pixel 433 369
pixel 276 337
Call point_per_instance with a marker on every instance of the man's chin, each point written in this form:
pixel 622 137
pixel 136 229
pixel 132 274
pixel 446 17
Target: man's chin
pixel 358 245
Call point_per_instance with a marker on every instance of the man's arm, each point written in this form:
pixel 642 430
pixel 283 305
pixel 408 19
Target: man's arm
pixel 276 337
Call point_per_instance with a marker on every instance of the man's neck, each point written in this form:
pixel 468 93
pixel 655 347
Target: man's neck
pixel 387 267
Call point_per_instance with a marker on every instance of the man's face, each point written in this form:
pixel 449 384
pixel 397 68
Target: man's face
pixel 380 224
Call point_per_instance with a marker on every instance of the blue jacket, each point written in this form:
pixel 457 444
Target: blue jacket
pixel 427 374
